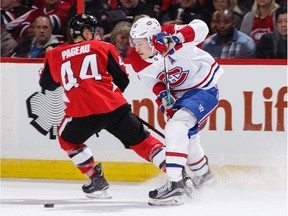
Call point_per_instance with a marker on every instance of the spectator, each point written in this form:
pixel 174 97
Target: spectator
pixel 112 3
pixel 259 20
pixel 213 24
pixel 212 27
pixel 13 12
pixel 96 8
pixel 35 47
pixel 56 10
pixel 232 5
pixel 244 6
pixel 99 33
pixel 185 11
pixel 274 45
pixel 224 4
pixel 42 3
pixel 7 43
pixel 166 4
pixel 158 4
pixel 128 9
pixel 120 38
pixel 228 42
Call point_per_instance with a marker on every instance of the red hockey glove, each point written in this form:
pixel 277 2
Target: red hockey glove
pixel 159 42
pixel 165 43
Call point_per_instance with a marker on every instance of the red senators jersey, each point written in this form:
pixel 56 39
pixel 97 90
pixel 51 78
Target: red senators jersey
pixel 92 74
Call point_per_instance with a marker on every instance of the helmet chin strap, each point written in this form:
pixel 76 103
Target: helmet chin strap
pixel 153 53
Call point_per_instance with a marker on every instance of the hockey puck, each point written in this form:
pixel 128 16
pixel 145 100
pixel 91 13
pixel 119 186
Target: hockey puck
pixel 48 205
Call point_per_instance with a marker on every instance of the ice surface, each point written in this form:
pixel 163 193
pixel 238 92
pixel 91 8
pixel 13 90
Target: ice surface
pixel 236 194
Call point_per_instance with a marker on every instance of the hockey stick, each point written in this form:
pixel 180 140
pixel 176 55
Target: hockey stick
pixel 167 84
pixel 170 46
pixel 151 127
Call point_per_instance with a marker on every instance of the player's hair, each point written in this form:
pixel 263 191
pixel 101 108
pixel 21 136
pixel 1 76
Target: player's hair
pixel 255 8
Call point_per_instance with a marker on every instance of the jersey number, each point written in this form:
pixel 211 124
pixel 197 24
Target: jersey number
pixel 67 75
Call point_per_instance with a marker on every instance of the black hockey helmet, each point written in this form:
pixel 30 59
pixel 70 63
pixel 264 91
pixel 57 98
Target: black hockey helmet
pixel 81 21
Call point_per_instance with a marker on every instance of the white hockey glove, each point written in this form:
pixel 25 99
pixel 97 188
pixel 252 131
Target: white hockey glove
pixel 163 98
pixel 166 104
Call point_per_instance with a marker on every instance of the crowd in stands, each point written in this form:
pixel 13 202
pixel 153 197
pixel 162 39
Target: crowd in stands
pixel 238 29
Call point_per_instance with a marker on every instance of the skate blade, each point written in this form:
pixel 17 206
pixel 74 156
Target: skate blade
pixel 175 200
pixel 190 189
pixel 99 195
pixel 208 184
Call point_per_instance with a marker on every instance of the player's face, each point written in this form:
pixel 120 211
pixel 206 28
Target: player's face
pixel 142 47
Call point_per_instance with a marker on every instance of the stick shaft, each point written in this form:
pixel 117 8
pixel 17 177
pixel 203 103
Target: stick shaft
pixel 167 82
pixel 151 127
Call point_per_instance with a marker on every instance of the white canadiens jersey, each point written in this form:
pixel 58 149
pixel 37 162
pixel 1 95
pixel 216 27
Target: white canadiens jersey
pixel 188 67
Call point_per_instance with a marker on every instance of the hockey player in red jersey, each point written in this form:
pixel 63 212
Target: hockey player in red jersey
pixel 183 78
pixel 93 78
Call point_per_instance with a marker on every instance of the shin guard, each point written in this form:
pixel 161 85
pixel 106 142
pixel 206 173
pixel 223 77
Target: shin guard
pixel 151 150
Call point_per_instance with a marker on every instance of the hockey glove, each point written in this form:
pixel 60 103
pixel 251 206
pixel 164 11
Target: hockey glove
pixel 165 43
pixel 166 104
pixel 163 98
pixel 168 112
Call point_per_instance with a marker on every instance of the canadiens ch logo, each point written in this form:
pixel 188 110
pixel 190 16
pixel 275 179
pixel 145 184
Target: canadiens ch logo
pixel 47 110
pixel 176 76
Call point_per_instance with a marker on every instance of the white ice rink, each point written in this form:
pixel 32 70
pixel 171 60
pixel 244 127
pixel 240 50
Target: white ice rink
pixel 237 194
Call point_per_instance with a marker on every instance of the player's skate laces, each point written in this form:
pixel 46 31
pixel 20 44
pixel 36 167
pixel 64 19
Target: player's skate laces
pixel 97 186
pixel 170 193
pixel 205 180
pixel 190 189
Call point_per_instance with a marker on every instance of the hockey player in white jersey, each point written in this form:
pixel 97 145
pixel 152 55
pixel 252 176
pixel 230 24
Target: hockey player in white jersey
pixel 183 77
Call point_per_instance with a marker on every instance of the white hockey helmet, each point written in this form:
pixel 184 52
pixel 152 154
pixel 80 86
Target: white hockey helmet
pixel 145 27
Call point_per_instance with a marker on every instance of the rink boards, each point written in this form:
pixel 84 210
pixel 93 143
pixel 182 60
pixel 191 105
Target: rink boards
pixel 249 128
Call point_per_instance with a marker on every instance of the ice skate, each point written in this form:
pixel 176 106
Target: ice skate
pixel 203 181
pixel 170 193
pixel 189 187
pixel 97 188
